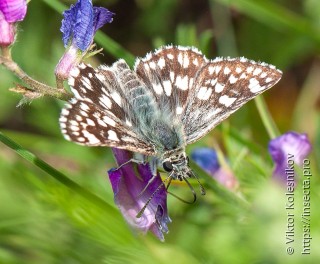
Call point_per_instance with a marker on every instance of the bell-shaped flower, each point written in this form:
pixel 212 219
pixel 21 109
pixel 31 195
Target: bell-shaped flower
pixel 11 12
pixel 132 191
pixel 79 26
pixel 287 150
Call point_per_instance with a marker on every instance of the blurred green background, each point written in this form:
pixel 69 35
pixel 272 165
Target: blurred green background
pixel 45 221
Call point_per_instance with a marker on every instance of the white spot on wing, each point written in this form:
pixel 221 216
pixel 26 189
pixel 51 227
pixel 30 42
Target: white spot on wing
pixel 185 61
pixel 90 137
pixel 101 123
pixel 226 100
pixel 182 83
pixel 105 101
pixel 112 135
pixel 75 72
pixel 128 123
pixel 100 77
pixel 218 68
pixel 167 87
pixel 161 63
pixel 211 69
pixel 109 121
pixel 190 82
pixel 219 87
pixel 87 83
pixel 257 71
pixel 204 93
pixel 172 76
pixel 243 76
pixel 74 128
pixel 75 93
pixel 84 106
pixel 263 75
pixel 180 59
pixel 233 79
pixel 254 85
pixel 201 92
pixel 157 88
pixel 71 81
pixel 127 139
pixel 170 56
pixel 179 110
pixel 90 122
pixel 249 69
pixel 213 81
pixel 152 65
pixel 226 70
pixel 116 97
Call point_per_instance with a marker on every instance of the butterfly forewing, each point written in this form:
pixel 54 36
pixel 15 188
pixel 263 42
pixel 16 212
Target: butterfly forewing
pixel 170 74
pixel 221 87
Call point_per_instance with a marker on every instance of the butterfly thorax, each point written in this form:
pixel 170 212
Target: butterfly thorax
pixel 156 126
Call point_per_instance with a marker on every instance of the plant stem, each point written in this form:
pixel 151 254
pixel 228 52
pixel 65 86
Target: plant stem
pixel 33 85
pixel 266 117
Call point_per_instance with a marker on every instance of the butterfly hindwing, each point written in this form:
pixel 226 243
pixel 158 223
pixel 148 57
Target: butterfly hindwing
pixel 98 115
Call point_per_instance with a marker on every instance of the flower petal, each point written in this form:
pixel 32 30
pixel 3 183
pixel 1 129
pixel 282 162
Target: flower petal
pixel 81 22
pixel 101 17
pixel 7 31
pixel 291 143
pixel 83 31
pixel 128 183
pixel 13 10
pixel 207 159
pixel 68 23
pixel 68 61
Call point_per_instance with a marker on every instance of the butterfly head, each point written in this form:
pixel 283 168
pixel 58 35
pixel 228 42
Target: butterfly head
pixel 177 166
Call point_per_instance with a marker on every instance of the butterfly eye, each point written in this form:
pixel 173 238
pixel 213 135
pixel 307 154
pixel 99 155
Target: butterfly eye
pixel 167 166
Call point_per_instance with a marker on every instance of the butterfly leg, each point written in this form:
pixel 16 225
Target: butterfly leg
pixel 137 158
pixel 153 164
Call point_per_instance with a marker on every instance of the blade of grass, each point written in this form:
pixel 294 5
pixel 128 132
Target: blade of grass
pixel 274 15
pixel 27 155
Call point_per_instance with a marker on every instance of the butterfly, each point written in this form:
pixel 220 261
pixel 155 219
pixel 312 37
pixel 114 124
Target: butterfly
pixel 172 98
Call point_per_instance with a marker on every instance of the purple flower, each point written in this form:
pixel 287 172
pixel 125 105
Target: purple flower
pixel 11 11
pixel 79 25
pixel 286 150
pixel 207 159
pixel 128 183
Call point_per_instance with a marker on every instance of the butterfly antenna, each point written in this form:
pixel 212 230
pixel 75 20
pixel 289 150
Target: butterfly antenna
pixel 202 190
pixel 139 214
pixel 179 198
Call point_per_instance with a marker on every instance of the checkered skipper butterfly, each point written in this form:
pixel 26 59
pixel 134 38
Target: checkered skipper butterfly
pixel 173 97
